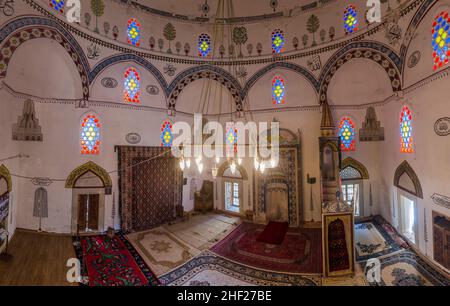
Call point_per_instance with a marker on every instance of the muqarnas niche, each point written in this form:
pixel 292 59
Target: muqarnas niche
pixel 27 127
pixel 371 130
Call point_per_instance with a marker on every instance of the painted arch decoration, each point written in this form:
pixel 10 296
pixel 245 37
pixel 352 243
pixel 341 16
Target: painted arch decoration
pixel 88 167
pixel 20 30
pixel 4 173
pixel 406 169
pixel 379 53
pixel 350 162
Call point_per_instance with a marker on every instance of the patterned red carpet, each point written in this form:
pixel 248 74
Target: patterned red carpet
pixel 112 262
pixel 300 251
pixel 274 233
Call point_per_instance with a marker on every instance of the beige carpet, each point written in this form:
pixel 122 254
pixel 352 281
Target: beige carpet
pixel 167 247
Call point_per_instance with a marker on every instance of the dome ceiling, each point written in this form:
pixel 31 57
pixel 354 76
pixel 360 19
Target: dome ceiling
pixel 247 8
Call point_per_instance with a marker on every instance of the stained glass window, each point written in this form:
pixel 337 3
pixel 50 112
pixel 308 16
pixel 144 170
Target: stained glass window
pixel 166 134
pixel 204 45
pixel 406 131
pixel 278 41
pixel 441 40
pixel 350 19
pixel 347 134
pixel 278 90
pixel 58 5
pixel 131 85
pixel 134 32
pixel 231 141
pixel 90 135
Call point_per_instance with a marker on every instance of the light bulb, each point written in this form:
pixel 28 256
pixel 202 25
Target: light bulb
pixel 256 164
pixel 188 163
pixel 182 164
pixel 200 168
pixel 239 161
pixel 217 160
pixel 214 172
pixel 273 163
pixel 262 167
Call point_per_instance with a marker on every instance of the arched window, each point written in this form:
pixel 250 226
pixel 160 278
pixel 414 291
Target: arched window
pixel 204 45
pixel 347 134
pixel 406 131
pixel 90 135
pixel 441 40
pixel 278 90
pixel 58 5
pixel 350 19
pixel 134 32
pixel 132 86
pixel 231 141
pixel 166 134
pixel 278 41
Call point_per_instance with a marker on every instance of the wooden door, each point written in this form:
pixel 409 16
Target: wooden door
pixel 82 209
pixel 94 202
pixel 447 249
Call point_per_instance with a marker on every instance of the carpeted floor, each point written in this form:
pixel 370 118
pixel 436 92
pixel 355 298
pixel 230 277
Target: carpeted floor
pixel 208 269
pixel 170 246
pixel 300 251
pixel 112 262
pixel 400 266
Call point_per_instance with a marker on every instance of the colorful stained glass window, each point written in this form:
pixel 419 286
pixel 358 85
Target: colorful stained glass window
pixel 350 19
pixel 406 131
pixel 278 90
pixel 231 141
pixel 90 135
pixel 58 5
pixel 132 87
pixel 134 32
pixel 347 134
pixel 166 134
pixel 441 40
pixel 204 45
pixel 278 41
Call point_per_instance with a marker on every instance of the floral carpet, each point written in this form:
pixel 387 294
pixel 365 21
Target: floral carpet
pixel 400 265
pixel 300 251
pixel 112 262
pixel 208 269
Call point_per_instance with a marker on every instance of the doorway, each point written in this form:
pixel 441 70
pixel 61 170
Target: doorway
pixel 88 212
pixel 408 218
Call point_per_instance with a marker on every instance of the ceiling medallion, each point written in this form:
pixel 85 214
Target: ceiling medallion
pixel 273 4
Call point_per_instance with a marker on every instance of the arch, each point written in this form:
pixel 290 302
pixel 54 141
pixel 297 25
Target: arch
pixel 129 57
pixel 20 30
pixel 204 72
pixel 412 27
pixel 280 65
pixel 405 168
pixel 89 167
pixel 225 165
pixel 379 53
pixel 4 173
pixel 350 162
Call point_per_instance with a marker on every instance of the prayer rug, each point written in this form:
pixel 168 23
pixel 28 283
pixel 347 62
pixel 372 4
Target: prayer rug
pixel 208 269
pixel 406 268
pixel 161 250
pixel 112 262
pixel 300 251
pixel 376 238
pixel 274 233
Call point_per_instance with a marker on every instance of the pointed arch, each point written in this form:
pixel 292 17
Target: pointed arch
pixel 89 167
pixel 20 30
pixel 406 169
pixel 350 162
pixel 4 173
pixel 225 165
